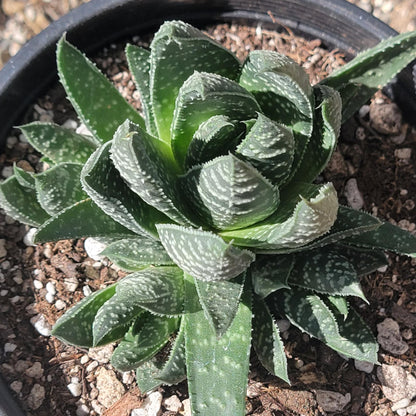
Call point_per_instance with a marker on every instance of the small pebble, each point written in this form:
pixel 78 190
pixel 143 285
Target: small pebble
pixel 353 194
pixel 50 298
pixel 3 251
pixel 82 410
pixel 7 171
pixel 16 299
pixel 70 124
pixel 35 371
pixel 401 404
pixel 86 290
pixel 75 388
pixel 91 366
pixel 11 142
pixel 16 386
pixel 60 304
pixel 84 359
pixel 41 325
pixel 332 401
pixel 93 248
pixel 18 278
pixel 4 292
pixel 172 404
pixel 28 238
pixel 71 284
pixel 401 412
pixel 50 288
pixel 36 397
pixel 187 407
pixel 364 366
pixel 389 337
pixel 9 347
pixel 283 325
pixel 405 153
pixel 37 284
pixel 411 410
pixel 151 405
pixel 5 265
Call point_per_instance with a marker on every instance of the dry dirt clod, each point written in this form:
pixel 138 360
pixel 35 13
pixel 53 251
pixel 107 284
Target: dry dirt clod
pixel 109 387
pixel 389 337
pixel 386 118
pixel 36 396
pixel 331 401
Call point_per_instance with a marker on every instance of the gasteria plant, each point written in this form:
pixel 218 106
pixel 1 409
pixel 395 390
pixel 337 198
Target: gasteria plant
pixel 208 200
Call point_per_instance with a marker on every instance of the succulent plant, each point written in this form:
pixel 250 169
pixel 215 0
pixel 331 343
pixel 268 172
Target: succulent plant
pixel 207 199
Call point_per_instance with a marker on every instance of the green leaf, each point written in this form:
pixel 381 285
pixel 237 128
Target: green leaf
pixel 83 219
pixel 386 237
pixel 298 221
pixel 267 343
pixel 75 326
pixel 283 91
pixel 57 143
pixel 271 273
pixel 228 193
pixel 203 254
pixel 340 304
pixel 217 368
pixel 220 301
pixel 156 289
pixel 143 341
pixel 327 125
pixel 138 60
pixel 21 203
pixel 269 147
pixel 24 178
pixel 326 271
pixel 136 253
pixel 359 79
pixel 177 50
pixel 97 102
pixel 59 187
pixel 215 137
pixel 146 164
pixel 103 183
pixel 201 97
pixel 114 319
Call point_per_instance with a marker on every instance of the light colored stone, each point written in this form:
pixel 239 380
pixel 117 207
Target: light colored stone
pixel 86 290
pixel 84 359
pixel 401 404
pixel 254 390
pixel 127 377
pixel 101 354
pixel 60 304
pixel 36 397
pixel 411 410
pixel 9 347
pixel 389 337
pixel 353 194
pixel 71 284
pixel 93 248
pixel 91 366
pixel 28 238
pixel 82 410
pixel 401 412
pixel 75 388
pixel 41 325
pixel 37 284
pixel 151 406
pixel 396 382
pixel 3 251
pixel 7 171
pixel 16 386
pixel 172 403
pixel 109 387
pixel 50 298
pixel 50 288
pixel 187 407
pixel 331 401
pixel 404 153
pixel 35 371
pixel 364 366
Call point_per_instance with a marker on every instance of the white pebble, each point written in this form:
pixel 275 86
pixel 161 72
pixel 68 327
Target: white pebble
pixel 50 288
pixel 401 412
pixel 5 265
pixel 70 124
pixel 7 171
pixel 91 366
pixel 41 325
pixel 37 284
pixel 4 292
pixel 84 359
pixel 16 299
pixel 28 238
pixel 11 142
pixel 93 248
pixel 50 298
pixel 401 404
pixel 9 347
pixel 86 290
pixel 60 304
pixel 172 403
pixel 82 410
pixel 18 279
pixel 75 389
pixel 353 194
pixel 150 407
pixel 71 284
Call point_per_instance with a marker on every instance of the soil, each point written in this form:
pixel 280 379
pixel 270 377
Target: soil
pixel 379 153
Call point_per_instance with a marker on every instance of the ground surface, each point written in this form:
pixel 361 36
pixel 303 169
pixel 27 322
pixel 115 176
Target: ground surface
pixel 375 161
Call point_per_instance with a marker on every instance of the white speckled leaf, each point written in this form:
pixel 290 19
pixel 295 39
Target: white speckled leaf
pixel 58 143
pixel 339 305
pixel 21 203
pixel 75 326
pixel 220 301
pixel 371 70
pixel 201 97
pixel 83 219
pixel 146 164
pixel 386 237
pixel 138 60
pixel 217 368
pixel 24 178
pixel 97 102
pixel 291 226
pixel 59 187
pixel 269 147
pixel 271 273
pixel 156 289
pixel 203 254
pixel 326 128
pixel 326 271
pixel 215 137
pixel 228 193
pixel 136 253
pixel 267 343
pixel 145 338
pixel 103 183
pixel 177 50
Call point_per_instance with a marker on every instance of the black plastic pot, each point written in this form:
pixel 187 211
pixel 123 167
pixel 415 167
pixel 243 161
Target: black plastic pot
pixel 91 26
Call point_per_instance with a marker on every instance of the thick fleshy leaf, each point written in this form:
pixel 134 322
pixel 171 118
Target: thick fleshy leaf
pixel 59 187
pixel 75 326
pixel 358 80
pixel 83 219
pixel 57 143
pixel 215 137
pixel 146 164
pixel 139 64
pixel 202 254
pixel 95 99
pixel 202 96
pixel 135 253
pixel 386 237
pixel 103 183
pixel 177 50
pixel 156 289
pixel 327 124
pixel 283 91
pixel 298 221
pixel 228 193
pixel 143 341
pixel 21 203
pixel 266 341
pixel 220 301
pixel 325 271
pixel 271 273
pixel 339 304
pixel 269 147
pixel 24 178
pixel 217 369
